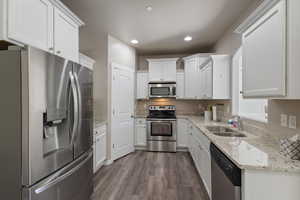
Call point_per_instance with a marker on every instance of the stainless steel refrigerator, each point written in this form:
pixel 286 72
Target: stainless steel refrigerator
pixel 46 116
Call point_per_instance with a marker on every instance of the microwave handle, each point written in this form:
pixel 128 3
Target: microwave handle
pixel 174 91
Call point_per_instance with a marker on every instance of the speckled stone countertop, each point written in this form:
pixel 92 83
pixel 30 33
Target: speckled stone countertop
pixel 254 152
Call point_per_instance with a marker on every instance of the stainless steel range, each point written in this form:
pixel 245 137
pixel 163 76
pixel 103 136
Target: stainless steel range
pixel 162 128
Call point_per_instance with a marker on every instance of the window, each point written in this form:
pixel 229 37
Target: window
pixel 254 109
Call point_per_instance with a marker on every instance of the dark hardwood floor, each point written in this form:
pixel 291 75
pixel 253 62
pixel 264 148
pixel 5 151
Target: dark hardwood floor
pixel 150 176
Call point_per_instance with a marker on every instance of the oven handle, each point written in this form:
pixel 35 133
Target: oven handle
pixel 161 120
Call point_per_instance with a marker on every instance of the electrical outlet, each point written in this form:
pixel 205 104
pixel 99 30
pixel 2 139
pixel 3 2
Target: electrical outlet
pixel 293 122
pixel 284 120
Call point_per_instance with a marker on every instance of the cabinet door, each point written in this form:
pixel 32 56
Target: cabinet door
pixel 100 149
pixel 142 85
pixel 182 133
pixel 155 71
pixel 264 55
pixel 208 81
pixel 140 132
pixel 169 71
pixel 66 36
pixel 180 86
pixel 31 22
pixel 191 79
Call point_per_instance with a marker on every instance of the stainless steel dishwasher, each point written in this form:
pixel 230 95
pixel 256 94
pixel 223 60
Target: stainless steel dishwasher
pixel 225 175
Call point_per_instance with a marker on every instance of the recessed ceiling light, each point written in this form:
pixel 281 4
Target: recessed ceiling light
pixel 188 38
pixel 149 8
pixel 134 41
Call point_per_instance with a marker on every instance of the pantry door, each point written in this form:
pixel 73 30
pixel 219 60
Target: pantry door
pixel 122 121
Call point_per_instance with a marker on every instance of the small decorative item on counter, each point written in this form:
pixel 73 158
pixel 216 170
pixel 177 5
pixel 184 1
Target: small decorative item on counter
pixel 207 116
pixel 218 112
pixel 290 147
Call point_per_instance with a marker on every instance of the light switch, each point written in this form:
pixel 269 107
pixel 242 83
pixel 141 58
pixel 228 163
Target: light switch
pixel 293 122
pixel 284 120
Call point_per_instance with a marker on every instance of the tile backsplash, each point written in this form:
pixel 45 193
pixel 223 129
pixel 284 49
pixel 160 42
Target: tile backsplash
pixel 183 107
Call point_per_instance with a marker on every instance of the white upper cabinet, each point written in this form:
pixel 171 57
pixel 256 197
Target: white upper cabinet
pixel 215 77
pixel 264 55
pixel 142 85
pixel 66 36
pixel 271 49
pixel 31 22
pixel 180 91
pixel 44 24
pixel 193 77
pixel 162 70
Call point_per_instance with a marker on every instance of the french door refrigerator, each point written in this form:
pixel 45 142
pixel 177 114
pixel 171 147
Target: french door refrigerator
pixel 46 113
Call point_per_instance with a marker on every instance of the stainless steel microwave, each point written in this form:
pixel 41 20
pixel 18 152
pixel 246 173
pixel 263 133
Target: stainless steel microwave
pixel 162 90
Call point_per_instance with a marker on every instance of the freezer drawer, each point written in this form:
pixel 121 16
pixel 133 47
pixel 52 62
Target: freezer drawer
pixel 73 182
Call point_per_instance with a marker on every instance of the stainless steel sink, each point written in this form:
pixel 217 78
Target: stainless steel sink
pixel 224 131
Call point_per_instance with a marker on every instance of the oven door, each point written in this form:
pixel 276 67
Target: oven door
pixel 161 130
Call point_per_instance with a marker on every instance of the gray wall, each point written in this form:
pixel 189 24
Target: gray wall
pixel 229 44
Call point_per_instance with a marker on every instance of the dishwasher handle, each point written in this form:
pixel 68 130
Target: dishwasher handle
pixel 232 171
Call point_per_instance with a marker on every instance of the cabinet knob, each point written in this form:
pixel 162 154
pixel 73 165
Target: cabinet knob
pixel 51 49
pixel 58 52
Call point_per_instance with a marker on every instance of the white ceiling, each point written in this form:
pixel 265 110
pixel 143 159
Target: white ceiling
pixel 159 31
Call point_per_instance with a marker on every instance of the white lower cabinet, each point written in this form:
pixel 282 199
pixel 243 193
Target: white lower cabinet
pixel 199 149
pixel 99 147
pixel 182 133
pixel 140 132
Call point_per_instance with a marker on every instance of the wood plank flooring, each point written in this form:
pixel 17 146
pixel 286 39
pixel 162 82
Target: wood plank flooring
pixel 150 176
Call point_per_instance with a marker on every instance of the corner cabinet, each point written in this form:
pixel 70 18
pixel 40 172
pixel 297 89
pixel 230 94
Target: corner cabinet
pixel 193 75
pixel 142 85
pixel 207 77
pixel 162 70
pixel 264 55
pixel 215 77
pixel 44 24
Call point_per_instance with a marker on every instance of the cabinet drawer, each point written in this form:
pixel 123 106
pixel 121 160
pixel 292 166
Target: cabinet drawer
pixel 140 121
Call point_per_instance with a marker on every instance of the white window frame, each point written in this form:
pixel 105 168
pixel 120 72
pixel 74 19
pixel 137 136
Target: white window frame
pixel 249 108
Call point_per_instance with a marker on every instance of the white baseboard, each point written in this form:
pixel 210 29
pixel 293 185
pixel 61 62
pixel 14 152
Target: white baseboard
pixel 108 162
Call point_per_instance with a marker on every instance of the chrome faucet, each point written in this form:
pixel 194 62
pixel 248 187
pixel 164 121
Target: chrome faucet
pixel 237 119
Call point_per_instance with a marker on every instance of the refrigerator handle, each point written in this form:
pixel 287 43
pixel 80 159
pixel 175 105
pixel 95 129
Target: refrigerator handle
pixel 60 177
pixel 79 101
pixel 75 111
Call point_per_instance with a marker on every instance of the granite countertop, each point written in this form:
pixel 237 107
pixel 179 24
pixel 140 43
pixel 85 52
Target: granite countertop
pixel 254 152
